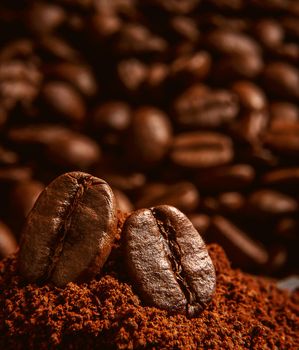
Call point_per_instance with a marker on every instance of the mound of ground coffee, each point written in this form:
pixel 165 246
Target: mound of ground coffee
pixel 246 312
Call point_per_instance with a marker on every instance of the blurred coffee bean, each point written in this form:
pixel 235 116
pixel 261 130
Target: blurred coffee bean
pixel 55 48
pixel 103 25
pixel 149 136
pixel 250 127
pixel 191 68
pixel 8 244
pixel 201 150
pixel 240 248
pixel 283 112
pixel 60 145
pixel 123 203
pixel 43 18
pixel 136 39
pixel 79 76
pixel 182 195
pixel 185 27
pixel 22 198
pixel 198 107
pixel 174 6
pixel 282 80
pixel 288 229
pixel 285 140
pixel 227 42
pixel 225 178
pixel 201 222
pixel 132 74
pixel 62 100
pixel 13 174
pixel 285 178
pixel 250 95
pixel 231 202
pixel 269 32
pixel 112 116
pixel 271 203
pixel 8 157
pixel 278 256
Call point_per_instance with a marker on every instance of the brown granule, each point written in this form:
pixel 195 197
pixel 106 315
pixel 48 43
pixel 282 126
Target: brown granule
pixel 245 313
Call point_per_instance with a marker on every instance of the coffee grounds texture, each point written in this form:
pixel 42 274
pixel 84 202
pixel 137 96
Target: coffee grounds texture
pixel 246 312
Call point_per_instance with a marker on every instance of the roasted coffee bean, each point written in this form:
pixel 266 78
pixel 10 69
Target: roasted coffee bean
pixel 63 147
pixel 198 107
pixel 168 261
pixel 112 116
pixel 69 232
pixel 11 175
pixel 201 222
pixel 79 76
pixel 231 43
pixel 191 68
pixel 250 127
pixel 201 150
pixel 61 99
pixel 239 247
pixel 231 202
pixel 285 140
pixel 268 202
pixel 8 244
pixel 132 74
pixel 226 178
pixel 269 32
pixel 22 198
pixel 182 195
pixel 51 16
pixel 8 157
pixel 250 95
pixel 283 112
pixel 282 79
pixel 174 6
pixel 149 135
pixel 285 178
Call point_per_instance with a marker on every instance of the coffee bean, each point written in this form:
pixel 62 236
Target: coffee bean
pixel 198 107
pixel 240 248
pixel 182 195
pixel 250 95
pixel 79 76
pixel 149 136
pixel 61 99
pixel 168 261
pixel 112 116
pixel 283 112
pixel 69 232
pixel 231 43
pixel 132 74
pixel 282 79
pixel 201 149
pixel 8 244
pixel 285 178
pixel 225 178
pixel 174 6
pixel 268 202
pixel 269 32
pixel 22 198
pixel 201 222
pixel 285 140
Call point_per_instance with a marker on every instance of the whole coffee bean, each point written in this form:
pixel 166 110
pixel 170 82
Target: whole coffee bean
pixel 250 95
pixel 182 195
pixel 201 149
pixel 282 79
pixel 240 248
pixel 79 76
pixel 112 116
pixel 225 178
pixel 284 178
pixel 149 136
pixel 69 232
pixel 22 198
pixel 285 140
pixel 63 100
pixel 8 244
pixel 231 202
pixel 268 202
pixel 132 74
pixel 168 261
pixel 284 111
pixel 269 32
pixel 231 43
pixel 198 107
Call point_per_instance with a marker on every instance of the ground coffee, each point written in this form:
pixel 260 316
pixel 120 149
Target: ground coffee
pixel 245 313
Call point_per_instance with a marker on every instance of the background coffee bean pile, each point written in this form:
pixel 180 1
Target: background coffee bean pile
pixel 189 103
